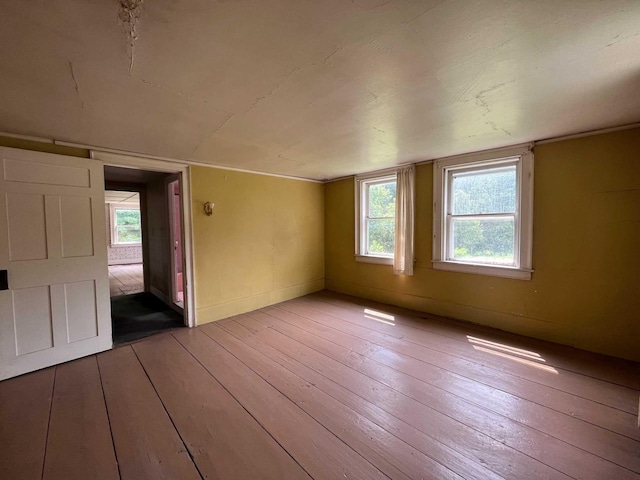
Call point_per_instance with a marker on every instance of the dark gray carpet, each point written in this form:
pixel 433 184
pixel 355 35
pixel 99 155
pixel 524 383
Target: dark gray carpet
pixel 140 315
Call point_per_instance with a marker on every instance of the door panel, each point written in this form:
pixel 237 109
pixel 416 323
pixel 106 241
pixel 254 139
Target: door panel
pixel 53 244
pixel 45 173
pixel 82 321
pixel 34 331
pixel 27 227
pixel 77 233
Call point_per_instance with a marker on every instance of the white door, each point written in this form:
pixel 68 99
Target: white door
pixel 55 306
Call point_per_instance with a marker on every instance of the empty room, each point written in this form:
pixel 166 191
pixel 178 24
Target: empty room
pixel 338 239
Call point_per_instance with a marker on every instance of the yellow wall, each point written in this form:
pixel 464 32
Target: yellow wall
pixel 263 244
pixel 585 290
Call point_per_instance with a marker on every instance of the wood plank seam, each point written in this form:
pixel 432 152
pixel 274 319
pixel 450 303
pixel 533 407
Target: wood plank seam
pixel 315 324
pixel 106 407
pixel 446 322
pixel 243 407
pixel 169 416
pixel 444 413
pixel 46 441
pixel 295 402
pixel 489 365
pixel 332 380
pixel 290 371
pixel 522 426
pixel 303 414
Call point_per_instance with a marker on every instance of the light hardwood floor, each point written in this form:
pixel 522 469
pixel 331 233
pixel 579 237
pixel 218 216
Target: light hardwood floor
pixel 326 387
pixel 125 279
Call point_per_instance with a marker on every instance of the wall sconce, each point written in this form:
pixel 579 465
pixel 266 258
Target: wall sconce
pixel 208 209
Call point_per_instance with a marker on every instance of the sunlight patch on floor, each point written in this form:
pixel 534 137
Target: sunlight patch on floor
pixel 525 357
pixel 380 317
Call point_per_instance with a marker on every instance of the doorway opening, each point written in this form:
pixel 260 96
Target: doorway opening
pixel 124 242
pixel 145 252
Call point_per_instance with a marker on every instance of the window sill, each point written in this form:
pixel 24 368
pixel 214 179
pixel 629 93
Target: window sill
pixel 123 245
pixel 374 259
pixel 495 271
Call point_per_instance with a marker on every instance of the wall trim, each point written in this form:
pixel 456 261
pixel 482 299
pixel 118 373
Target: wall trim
pixel 590 133
pixel 533 143
pixel 507 322
pixel 125 153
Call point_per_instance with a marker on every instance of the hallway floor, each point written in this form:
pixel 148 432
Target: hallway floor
pixel 125 279
pixel 141 315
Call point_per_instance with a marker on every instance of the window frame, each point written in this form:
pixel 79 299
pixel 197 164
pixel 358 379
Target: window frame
pixel 114 228
pixel 362 184
pixel 522 157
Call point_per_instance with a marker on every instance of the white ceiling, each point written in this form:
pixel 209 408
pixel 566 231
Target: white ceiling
pixel 316 88
pixel 130 199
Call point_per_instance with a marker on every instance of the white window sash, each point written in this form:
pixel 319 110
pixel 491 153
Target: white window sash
pixel 362 184
pixel 520 155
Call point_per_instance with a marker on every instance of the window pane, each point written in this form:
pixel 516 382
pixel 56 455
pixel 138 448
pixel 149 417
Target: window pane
pixel 487 191
pixel 382 200
pixel 380 238
pixel 129 234
pixel 488 241
pixel 127 217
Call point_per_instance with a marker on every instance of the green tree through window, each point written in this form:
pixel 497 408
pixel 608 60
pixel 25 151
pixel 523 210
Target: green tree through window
pixel 127 226
pixel 483 222
pixel 381 218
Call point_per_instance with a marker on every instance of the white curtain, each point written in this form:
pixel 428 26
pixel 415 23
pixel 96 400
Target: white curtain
pixel 405 208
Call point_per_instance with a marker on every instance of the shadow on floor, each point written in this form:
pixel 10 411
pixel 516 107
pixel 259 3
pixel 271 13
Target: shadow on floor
pixel 141 315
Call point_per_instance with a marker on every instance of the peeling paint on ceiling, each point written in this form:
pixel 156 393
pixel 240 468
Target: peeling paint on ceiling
pixel 316 89
pixel 129 15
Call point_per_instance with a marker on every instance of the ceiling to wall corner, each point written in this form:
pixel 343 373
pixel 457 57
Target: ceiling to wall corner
pixel 316 89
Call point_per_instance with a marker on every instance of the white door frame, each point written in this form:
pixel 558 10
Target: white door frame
pixel 142 163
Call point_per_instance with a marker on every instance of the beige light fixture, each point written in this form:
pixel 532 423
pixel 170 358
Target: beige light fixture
pixel 208 209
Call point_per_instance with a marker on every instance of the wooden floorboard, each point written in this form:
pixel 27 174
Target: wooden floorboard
pixel 126 279
pixel 389 454
pixel 315 448
pixel 480 446
pixel 564 426
pixel 557 453
pixel 613 395
pixel 25 405
pixel 224 440
pixel 587 409
pixel 606 368
pixel 79 427
pixel 326 386
pixel 428 445
pixel 146 442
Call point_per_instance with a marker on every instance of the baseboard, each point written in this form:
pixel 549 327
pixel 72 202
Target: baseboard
pixel 237 306
pixel 125 261
pixel 166 300
pixel 513 323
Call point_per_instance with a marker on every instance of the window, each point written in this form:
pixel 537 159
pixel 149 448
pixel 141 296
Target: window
pixel 126 226
pixel 375 218
pixel 483 213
